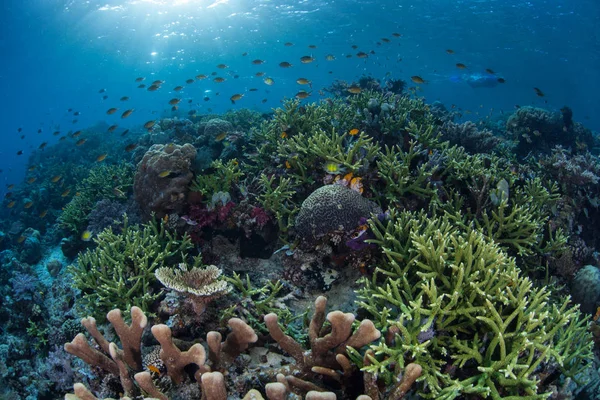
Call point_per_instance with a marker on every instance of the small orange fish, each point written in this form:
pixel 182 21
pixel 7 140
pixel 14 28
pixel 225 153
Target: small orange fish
pixel 288 165
pixel 43 213
pixel 597 315
pixel 112 128
pixel 154 369
pixel 66 193
pixel 354 89
pixel 80 142
pixel 101 157
pixel 417 79
pixel 353 132
pixel 149 124
pixel 11 204
pixel 31 180
pixel 56 178
pixel 174 101
pixel 283 135
pixel 111 111
pixel 28 204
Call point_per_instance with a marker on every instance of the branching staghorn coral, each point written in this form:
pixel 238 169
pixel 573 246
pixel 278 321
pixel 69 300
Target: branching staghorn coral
pixel 103 182
pixel 221 180
pixel 309 151
pixel 450 300
pixel 277 198
pixel 405 173
pixel 120 270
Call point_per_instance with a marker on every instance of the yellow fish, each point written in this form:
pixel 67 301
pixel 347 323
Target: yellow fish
pixel 164 174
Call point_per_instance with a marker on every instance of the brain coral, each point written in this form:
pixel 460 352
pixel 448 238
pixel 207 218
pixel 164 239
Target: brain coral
pixel 332 208
pixel 162 178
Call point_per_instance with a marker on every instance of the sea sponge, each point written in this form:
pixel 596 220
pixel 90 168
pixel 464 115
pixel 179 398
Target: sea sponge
pixel 585 288
pixel 332 208
pixel 162 178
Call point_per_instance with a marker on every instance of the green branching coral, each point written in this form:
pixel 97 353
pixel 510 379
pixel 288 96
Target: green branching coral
pixel 405 173
pixel 221 180
pixel 277 198
pixel 119 272
pixel 452 301
pixel 103 182
pixel 513 213
pixel 393 112
pixel 297 118
pixel 306 152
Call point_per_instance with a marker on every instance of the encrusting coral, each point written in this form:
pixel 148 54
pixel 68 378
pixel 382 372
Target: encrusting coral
pixel 450 300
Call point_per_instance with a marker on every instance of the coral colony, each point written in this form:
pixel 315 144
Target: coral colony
pixel 368 246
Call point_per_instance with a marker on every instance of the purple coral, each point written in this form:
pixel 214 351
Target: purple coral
pixel 23 285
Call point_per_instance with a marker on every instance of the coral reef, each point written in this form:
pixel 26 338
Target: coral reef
pixel 162 178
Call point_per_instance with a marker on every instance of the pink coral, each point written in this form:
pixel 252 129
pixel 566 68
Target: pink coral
pixel 260 216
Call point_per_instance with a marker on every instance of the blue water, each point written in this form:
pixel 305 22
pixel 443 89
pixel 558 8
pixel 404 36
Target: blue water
pixel 57 55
